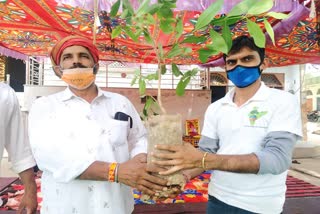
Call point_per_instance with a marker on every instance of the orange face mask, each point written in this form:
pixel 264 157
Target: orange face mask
pixel 79 78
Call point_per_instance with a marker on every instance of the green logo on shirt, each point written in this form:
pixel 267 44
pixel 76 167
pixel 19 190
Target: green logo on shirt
pixel 254 115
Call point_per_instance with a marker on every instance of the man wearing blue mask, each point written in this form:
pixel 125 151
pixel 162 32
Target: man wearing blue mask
pixel 247 139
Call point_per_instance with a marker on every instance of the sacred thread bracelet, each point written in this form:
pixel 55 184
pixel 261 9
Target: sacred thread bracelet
pixel 111 174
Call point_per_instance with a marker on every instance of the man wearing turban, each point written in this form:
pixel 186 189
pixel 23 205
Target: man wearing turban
pixel 90 144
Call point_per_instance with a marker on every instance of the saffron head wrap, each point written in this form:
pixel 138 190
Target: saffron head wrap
pixel 68 41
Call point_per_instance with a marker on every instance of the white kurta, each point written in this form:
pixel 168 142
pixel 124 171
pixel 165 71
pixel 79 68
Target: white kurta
pixel 67 134
pixel 12 133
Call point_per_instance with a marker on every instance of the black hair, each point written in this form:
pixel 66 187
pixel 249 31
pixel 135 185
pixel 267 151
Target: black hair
pixel 245 41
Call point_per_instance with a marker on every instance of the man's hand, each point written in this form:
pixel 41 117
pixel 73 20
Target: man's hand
pixel 181 157
pixel 137 174
pixel 29 199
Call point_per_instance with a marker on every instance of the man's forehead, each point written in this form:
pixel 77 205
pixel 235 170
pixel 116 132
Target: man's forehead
pixel 243 52
pixel 75 49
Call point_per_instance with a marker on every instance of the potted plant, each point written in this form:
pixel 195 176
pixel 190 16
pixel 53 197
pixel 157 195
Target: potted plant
pixel 211 31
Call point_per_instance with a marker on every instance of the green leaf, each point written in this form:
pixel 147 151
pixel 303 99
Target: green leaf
pixel 179 28
pixel 151 76
pixel 157 75
pixel 207 15
pixel 226 20
pixel 226 34
pixel 241 8
pixel 149 102
pixel 142 86
pixel 160 50
pixel 260 7
pixel 278 15
pixel 170 5
pixel 175 50
pixel 165 12
pixel 130 33
pixel 194 39
pixel 115 32
pixel 269 30
pixel 127 5
pixel 190 73
pixel 147 106
pixel 147 37
pixel 163 69
pixel 166 26
pixel 187 50
pixel 204 54
pixel 149 19
pixel 152 9
pixel 143 7
pixel 138 33
pixel 137 72
pixel 218 42
pixel 180 90
pixel 124 14
pixel 257 34
pixel 133 81
pixel 175 70
pixel 115 9
pixel 194 71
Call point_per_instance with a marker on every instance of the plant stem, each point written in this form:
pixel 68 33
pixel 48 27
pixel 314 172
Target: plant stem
pixel 159 90
pixel 160 60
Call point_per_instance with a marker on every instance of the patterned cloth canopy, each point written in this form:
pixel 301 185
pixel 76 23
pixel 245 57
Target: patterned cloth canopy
pixel 33 27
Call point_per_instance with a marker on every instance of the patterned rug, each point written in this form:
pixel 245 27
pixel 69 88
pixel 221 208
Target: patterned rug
pixel 195 191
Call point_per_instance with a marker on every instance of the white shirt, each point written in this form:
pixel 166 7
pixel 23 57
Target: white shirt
pixel 67 134
pixel 12 133
pixel 241 130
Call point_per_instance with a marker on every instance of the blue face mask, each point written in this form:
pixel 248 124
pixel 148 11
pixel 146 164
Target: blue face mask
pixel 242 76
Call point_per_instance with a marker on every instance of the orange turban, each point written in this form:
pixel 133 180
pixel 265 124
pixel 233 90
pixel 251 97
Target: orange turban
pixel 68 41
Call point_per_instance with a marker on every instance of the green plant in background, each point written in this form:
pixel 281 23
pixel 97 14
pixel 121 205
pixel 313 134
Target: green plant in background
pixel 215 31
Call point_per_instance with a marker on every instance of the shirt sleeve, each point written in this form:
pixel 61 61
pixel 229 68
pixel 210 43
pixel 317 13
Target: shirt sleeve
pixel 207 144
pixel 55 153
pixel 276 154
pixel 210 122
pixel 17 144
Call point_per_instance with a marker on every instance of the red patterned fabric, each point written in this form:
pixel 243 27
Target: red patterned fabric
pixel 34 27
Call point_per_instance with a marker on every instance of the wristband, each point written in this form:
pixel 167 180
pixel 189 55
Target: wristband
pixel 111 173
pixel 116 174
pixel 203 160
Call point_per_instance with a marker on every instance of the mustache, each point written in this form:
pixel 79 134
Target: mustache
pixel 78 65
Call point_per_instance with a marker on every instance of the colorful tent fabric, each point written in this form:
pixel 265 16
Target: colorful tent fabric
pixel 33 27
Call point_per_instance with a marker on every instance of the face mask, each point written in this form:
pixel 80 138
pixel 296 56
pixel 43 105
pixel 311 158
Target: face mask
pixel 242 76
pixel 79 78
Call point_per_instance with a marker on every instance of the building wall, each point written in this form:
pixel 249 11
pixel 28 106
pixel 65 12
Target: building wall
pixel 311 86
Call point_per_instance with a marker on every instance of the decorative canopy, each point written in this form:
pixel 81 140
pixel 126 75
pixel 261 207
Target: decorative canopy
pixel 33 27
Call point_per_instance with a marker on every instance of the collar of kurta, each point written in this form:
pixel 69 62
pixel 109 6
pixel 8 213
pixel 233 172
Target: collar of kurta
pixel 67 94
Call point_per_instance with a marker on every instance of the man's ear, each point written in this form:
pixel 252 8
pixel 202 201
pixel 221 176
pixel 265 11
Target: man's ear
pixel 264 64
pixel 96 68
pixel 57 71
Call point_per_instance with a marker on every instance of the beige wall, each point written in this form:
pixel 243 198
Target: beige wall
pixel 192 105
